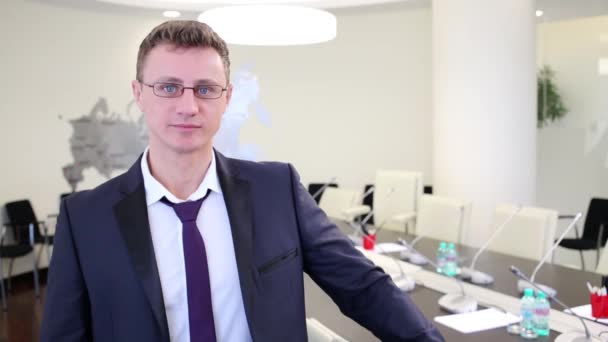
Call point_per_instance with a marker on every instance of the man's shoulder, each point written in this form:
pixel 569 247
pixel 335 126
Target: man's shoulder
pixel 263 169
pixel 105 193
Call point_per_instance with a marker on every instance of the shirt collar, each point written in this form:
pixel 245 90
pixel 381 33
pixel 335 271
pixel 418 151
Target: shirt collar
pixel 155 190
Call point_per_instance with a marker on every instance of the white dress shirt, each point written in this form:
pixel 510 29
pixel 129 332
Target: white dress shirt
pixel 214 226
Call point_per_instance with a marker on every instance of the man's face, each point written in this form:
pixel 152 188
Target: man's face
pixel 187 123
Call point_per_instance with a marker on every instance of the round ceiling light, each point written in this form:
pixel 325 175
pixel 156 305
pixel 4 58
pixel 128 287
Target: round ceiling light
pixel 271 25
pixel 171 14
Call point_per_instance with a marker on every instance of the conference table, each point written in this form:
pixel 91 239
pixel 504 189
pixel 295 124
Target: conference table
pixel 569 283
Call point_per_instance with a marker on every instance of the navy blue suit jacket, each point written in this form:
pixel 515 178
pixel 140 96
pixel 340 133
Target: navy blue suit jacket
pixel 104 285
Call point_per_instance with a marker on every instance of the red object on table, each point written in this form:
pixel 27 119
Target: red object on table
pixel 369 241
pixel 599 306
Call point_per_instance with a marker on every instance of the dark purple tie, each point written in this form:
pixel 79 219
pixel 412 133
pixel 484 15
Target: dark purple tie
pixel 200 310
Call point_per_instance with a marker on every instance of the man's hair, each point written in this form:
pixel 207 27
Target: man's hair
pixel 183 34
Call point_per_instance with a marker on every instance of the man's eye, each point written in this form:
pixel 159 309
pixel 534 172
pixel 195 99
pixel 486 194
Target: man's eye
pixel 169 88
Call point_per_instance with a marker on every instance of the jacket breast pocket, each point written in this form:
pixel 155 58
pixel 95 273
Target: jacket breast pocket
pixel 277 261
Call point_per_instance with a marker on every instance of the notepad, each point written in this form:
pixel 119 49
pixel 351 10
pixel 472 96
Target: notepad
pixel 585 312
pixel 476 321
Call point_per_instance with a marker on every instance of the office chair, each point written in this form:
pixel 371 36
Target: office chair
pixel 337 203
pixel 396 196
pixel 369 201
pixel 21 213
pixel 443 218
pixel 528 235
pixel 313 189
pixel 594 230
pixel 22 245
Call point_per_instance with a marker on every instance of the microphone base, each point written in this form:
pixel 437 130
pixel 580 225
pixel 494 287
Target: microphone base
pixel 575 336
pixel 457 303
pixel 404 283
pixel 476 277
pixel 549 291
pixel 414 258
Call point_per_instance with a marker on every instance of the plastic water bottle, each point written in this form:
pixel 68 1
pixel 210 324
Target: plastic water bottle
pixel 542 309
pixel 451 261
pixel 527 328
pixel 441 256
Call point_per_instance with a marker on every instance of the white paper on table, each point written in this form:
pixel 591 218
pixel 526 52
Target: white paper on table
pixel 477 321
pixel 389 247
pixel 585 312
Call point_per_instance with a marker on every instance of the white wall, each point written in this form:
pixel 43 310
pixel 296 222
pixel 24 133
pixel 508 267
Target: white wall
pixel 342 108
pixel 569 174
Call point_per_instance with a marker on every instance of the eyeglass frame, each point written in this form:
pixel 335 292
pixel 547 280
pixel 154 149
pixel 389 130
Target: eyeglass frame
pixel 183 89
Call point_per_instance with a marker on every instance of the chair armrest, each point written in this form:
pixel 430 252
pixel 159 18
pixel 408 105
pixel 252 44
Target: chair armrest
pixel 403 218
pixel 353 212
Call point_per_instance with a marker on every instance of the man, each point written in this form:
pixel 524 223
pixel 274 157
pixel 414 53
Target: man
pixel 189 245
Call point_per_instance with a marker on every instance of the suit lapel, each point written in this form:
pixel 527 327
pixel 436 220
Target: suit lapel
pixel 132 215
pixel 237 196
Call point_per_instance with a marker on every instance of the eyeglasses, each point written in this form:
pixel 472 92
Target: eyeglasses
pixel 172 90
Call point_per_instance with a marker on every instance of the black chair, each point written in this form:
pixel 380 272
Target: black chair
pixel 19 245
pixel 316 189
pixel 368 200
pixel 21 213
pixel 594 230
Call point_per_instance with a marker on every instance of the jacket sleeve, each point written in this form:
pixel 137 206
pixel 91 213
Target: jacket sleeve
pixel 361 290
pixel 66 314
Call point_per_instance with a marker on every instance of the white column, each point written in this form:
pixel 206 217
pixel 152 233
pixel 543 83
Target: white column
pixel 484 87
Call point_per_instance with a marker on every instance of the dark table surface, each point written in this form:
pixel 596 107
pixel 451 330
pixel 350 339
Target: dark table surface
pixel 569 283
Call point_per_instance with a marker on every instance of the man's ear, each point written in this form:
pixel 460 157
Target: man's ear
pixel 137 88
pixel 228 93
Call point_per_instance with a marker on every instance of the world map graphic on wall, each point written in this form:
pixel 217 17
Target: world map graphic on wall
pixel 104 141
pixel 109 142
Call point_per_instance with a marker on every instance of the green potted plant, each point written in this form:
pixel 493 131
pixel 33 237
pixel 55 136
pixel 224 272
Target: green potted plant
pixel 550 105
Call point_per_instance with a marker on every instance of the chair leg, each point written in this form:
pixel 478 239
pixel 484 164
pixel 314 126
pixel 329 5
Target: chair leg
pixel 580 252
pixel 4 307
pixel 48 252
pixel 35 269
pixel 38 257
pixel 10 275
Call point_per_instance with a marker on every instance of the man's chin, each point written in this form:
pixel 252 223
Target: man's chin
pixel 191 148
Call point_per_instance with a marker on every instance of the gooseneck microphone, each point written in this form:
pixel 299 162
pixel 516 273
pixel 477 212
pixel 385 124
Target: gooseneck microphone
pixel 417 259
pixel 322 188
pixel 566 337
pixel 451 302
pixel 549 291
pixel 478 277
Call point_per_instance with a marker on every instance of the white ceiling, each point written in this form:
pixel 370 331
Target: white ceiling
pixel 553 9
pixel 200 5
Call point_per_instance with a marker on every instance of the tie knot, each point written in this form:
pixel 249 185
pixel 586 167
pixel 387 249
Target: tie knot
pixel 186 211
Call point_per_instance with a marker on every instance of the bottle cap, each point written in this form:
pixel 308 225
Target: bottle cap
pixel 528 292
pixel 450 245
pixel 541 294
pixel 442 244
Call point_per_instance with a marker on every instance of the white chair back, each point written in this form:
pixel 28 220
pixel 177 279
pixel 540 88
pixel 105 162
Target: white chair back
pixel 317 332
pixel 335 200
pixel 530 233
pixel 395 193
pixel 443 218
